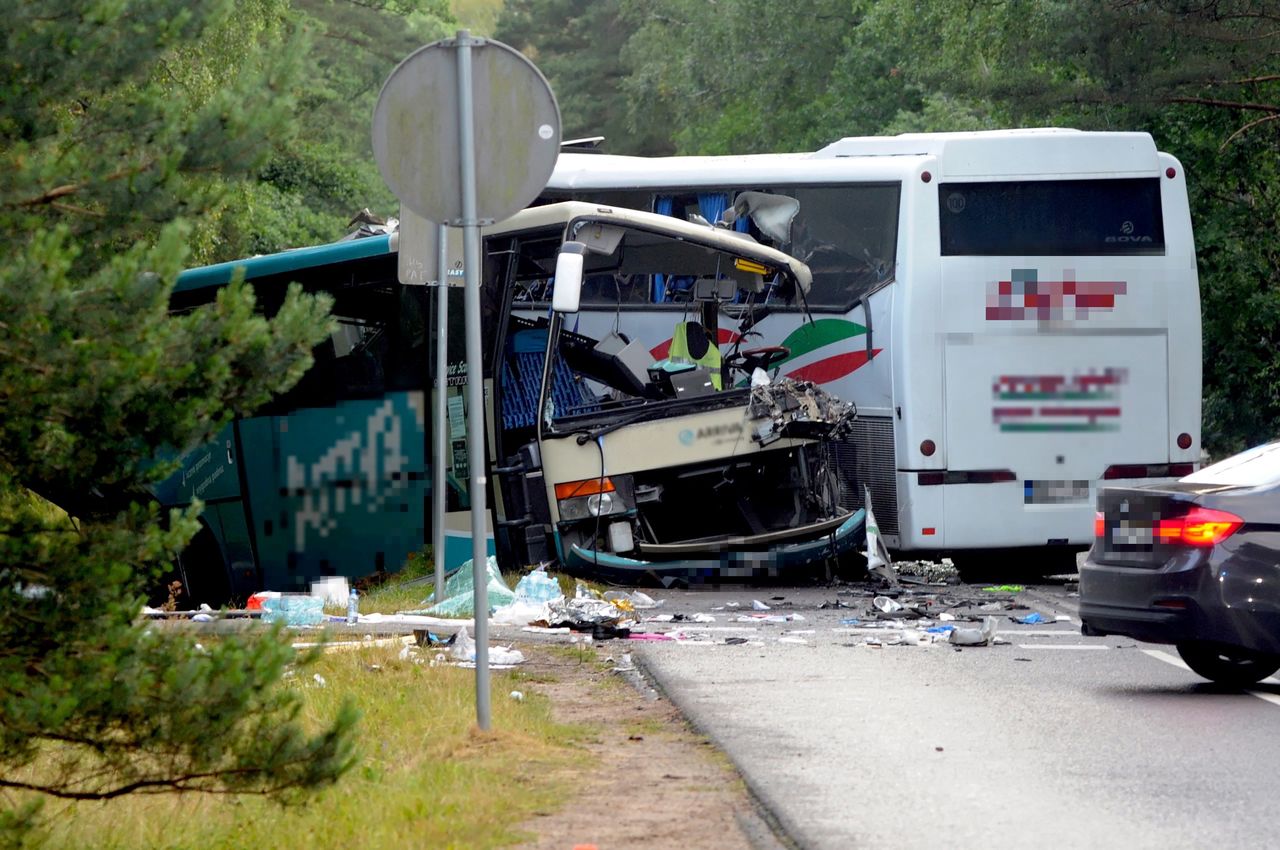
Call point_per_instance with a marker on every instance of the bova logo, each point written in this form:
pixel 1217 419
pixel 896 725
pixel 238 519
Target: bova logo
pixel 820 353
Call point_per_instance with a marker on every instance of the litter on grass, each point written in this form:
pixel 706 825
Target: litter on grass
pixel 459 592
pixel 463 653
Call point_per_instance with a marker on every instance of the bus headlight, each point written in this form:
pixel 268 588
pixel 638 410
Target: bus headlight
pixel 592 498
pixel 600 504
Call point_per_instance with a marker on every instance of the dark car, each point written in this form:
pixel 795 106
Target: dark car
pixel 1194 563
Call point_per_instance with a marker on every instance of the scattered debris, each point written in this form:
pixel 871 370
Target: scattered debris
pixel 293 609
pixel 463 653
pixel 459 592
pixel 1004 588
pixel 975 637
pixel 878 561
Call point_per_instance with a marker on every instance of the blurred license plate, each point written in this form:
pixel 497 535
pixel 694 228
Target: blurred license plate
pixel 1055 492
pixel 1131 534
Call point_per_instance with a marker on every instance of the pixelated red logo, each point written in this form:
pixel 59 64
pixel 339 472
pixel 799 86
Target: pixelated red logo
pixel 1025 296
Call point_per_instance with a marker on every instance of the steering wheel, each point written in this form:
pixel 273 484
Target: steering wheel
pixel 765 357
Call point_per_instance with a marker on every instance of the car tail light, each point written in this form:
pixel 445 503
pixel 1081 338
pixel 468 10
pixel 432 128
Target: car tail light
pixel 1199 527
pixel 586 487
pixel 1099 525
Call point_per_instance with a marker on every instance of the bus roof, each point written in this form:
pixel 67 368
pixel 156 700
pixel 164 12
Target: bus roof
pixel 718 238
pixel 285 261
pixel 560 214
pixel 997 154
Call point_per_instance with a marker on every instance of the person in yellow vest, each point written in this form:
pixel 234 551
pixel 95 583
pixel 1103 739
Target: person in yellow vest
pixel 691 343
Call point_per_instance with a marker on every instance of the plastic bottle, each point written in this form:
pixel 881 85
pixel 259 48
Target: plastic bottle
pixel 353 608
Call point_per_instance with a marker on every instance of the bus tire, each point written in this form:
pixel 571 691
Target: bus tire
pixel 1012 565
pixel 203 572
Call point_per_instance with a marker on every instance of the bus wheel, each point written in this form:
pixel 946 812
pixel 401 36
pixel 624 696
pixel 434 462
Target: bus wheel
pixel 1001 566
pixel 204 575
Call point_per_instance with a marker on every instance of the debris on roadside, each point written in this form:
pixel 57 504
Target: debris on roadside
pixel 975 637
pixel 463 653
pixel 459 592
pixel 930 572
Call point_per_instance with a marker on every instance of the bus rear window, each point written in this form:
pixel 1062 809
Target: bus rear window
pixel 1052 218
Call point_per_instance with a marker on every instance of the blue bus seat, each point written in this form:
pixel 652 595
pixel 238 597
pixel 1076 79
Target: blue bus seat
pixel 522 373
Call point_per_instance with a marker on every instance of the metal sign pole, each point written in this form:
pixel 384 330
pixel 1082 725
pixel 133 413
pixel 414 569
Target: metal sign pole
pixel 497 174
pixel 475 373
pixel 439 484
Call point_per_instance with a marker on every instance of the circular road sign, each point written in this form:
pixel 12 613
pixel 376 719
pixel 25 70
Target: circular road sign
pixel 415 131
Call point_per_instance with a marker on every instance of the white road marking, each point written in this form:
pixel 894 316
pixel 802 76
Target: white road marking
pixel 1062 646
pixel 1042 632
pixel 1178 662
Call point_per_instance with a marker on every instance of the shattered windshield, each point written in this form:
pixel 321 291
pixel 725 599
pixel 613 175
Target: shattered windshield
pixel 633 360
pixel 847 234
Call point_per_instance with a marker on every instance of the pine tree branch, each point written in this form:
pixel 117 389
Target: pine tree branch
pixel 1254 123
pixel 1226 104
pixel 52 196
pixel 187 782
pixel 1266 78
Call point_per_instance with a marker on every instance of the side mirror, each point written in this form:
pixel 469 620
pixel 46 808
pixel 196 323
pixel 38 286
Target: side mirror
pixel 567 291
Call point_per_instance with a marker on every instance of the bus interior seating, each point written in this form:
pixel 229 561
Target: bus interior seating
pixel 522 374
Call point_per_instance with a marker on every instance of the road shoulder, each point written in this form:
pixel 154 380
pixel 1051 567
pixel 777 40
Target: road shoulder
pixel 648 779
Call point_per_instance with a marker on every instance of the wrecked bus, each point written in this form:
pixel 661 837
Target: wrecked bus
pixel 620 464
pixel 1015 313
pixel 613 454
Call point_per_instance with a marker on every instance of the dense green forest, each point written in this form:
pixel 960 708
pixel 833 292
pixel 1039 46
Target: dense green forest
pixel 746 76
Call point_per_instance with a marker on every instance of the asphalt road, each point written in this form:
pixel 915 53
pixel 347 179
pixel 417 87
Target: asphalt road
pixel 1051 739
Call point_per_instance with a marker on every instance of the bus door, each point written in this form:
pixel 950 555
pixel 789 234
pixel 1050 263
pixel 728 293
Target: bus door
pixel 1054 353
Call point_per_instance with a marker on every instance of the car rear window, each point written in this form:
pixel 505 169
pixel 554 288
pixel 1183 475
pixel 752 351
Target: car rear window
pixel 1257 467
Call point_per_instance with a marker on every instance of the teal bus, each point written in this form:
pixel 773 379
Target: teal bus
pixel 329 478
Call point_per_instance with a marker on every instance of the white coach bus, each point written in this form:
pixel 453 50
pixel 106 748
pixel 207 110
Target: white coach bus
pixel 1015 313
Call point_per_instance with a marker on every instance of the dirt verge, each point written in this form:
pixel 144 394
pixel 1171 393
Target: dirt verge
pixel 651 781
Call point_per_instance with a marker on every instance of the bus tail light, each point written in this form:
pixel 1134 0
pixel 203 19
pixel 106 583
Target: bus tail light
pixel 928 447
pixel 1148 470
pixel 972 476
pixel 1184 440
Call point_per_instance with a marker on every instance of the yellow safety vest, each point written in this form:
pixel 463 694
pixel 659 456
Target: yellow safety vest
pixel 690 343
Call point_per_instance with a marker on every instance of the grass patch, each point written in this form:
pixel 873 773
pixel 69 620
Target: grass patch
pixel 426 777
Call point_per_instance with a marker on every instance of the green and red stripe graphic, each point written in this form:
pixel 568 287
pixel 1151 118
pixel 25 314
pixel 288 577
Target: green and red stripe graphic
pixel 820 350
